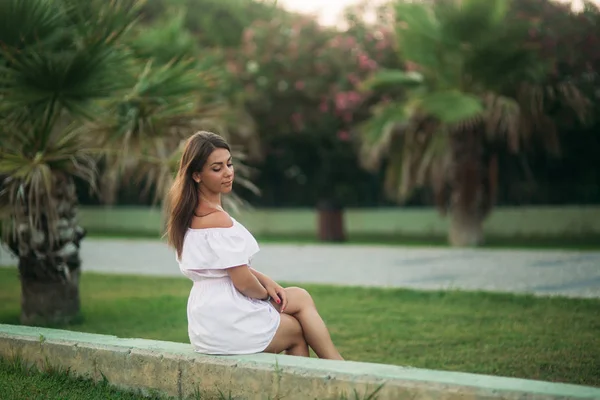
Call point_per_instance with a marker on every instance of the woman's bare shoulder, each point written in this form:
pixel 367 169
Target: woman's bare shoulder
pixel 216 219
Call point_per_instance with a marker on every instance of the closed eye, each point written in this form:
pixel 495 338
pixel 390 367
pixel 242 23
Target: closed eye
pixel 229 164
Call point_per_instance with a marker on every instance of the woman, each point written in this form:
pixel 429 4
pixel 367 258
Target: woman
pixel 232 308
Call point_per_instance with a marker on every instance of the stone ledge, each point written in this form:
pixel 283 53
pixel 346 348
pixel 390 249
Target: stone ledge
pixel 174 369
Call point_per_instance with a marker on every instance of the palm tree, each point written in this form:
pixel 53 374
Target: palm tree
pixel 143 134
pixel 56 63
pixel 179 89
pixel 73 93
pixel 473 83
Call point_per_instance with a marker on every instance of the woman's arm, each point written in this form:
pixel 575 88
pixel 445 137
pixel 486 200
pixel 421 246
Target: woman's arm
pixel 246 283
pixel 276 292
pixel 262 278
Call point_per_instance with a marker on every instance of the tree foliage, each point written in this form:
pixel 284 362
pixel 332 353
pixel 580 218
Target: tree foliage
pixel 301 79
pixel 469 68
pixel 474 80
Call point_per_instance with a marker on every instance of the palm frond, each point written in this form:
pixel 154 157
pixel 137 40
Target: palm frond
pixel 503 118
pixel 535 101
pixel 514 64
pixel 393 182
pixel 385 116
pixel 29 183
pixel 571 97
pixel 79 65
pixel 164 41
pixel 30 23
pixel 438 142
pixel 35 81
pixel 466 20
pixel 162 103
pixel 100 21
pixel 143 129
pixel 418 33
pixel 392 78
pixel 377 132
pixel 451 106
pixel 418 149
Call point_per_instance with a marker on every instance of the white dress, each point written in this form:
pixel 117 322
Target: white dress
pixel 221 320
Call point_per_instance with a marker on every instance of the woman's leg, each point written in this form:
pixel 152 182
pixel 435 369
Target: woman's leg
pixel 302 307
pixel 288 338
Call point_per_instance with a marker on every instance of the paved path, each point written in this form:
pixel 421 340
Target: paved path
pixel 569 273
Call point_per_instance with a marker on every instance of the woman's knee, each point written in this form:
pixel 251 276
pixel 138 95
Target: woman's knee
pixel 298 299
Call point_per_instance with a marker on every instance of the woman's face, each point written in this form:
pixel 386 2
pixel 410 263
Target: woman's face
pixel 217 174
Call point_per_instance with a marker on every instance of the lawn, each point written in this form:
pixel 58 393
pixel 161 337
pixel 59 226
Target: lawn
pixel 553 339
pixel 19 383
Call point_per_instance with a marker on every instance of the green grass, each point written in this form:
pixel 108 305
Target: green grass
pixel 18 382
pixel 553 339
pixel 21 382
pixel 587 242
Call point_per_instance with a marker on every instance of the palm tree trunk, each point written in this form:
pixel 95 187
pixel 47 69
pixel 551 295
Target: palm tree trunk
pixel 466 202
pixel 49 269
pixel 466 228
pixel 330 222
pixel 49 302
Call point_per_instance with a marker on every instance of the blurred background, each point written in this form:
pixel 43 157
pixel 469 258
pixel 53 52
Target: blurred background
pixel 286 82
pixel 384 121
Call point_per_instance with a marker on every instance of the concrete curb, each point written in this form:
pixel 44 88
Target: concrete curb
pixel 174 369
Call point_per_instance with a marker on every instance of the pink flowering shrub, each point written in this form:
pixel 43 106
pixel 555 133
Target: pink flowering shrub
pixel 570 40
pixel 301 83
pixel 302 77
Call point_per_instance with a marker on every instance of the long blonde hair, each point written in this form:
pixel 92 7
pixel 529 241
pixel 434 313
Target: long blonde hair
pixel 183 195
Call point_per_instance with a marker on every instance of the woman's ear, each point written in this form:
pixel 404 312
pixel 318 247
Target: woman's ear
pixel 196 177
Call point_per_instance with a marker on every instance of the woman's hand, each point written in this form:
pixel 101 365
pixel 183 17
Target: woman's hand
pixel 277 293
